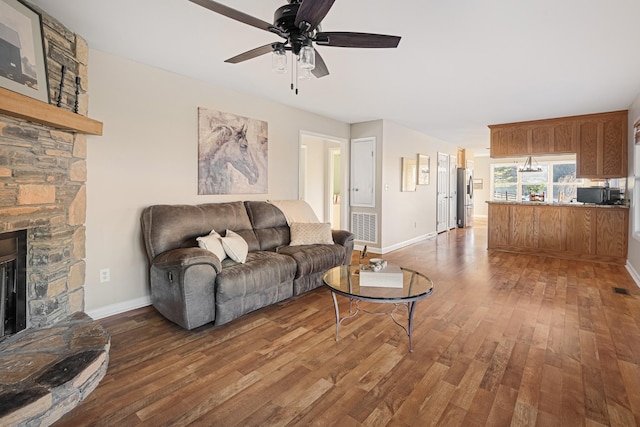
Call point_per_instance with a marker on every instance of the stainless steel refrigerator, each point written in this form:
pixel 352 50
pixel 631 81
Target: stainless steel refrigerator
pixel 465 197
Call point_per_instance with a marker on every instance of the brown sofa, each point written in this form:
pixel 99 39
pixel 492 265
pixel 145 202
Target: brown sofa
pixel 191 286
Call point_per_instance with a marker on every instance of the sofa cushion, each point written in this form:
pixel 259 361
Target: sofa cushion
pixel 310 234
pixel 269 223
pixel 235 246
pixel 213 243
pixel 314 258
pixel 260 271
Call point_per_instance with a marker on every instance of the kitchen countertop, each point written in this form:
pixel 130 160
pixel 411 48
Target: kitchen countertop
pixel 573 205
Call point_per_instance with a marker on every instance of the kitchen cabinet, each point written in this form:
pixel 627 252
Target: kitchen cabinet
pixel 586 232
pixel 611 232
pixel 602 146
pixel 539 137
pixel 598 140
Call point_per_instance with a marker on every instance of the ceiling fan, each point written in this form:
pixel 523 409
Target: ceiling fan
pixel 298 23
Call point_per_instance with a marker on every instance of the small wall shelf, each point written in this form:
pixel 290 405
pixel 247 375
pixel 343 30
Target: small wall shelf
pixel 23 107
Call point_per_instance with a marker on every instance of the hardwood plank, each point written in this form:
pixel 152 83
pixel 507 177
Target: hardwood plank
pixel 506 339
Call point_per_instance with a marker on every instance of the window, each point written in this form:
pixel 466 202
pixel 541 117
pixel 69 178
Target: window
pixel 505 182
pixel 534 183
pixel 556 179
pixel 565 184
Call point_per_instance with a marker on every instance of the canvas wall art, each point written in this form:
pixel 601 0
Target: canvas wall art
pixel 232 154
pixel 22 62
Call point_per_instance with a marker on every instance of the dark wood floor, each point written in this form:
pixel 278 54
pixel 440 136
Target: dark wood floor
pixel 505 339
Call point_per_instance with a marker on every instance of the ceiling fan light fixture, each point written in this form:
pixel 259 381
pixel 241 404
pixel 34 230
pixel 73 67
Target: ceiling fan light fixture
pixel 279 59
pixel 304 74
pixel 307 57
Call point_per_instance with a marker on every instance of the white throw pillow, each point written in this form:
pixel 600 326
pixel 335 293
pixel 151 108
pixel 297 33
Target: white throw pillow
pixel 235 246
pixel 213 243
pixel 310 233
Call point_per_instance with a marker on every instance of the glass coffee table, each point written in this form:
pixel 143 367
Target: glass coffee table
pixel 345 280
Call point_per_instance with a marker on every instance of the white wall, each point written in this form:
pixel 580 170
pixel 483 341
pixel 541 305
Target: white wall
pixel 148 155
pixel 408 215
pixel 404 217
pixel 482 170
pixel 633 255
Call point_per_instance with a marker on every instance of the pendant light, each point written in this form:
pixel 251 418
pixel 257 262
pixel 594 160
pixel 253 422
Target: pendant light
pixel 529 167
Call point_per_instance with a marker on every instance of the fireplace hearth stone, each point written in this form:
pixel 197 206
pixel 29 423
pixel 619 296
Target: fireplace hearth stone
pixel 45 373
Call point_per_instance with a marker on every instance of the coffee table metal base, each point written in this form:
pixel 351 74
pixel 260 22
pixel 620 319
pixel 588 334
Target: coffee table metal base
pixel 410 308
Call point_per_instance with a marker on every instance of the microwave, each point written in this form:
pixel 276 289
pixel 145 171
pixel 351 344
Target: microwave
pixel 599 195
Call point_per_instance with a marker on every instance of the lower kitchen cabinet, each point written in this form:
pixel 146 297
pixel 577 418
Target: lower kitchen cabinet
pixel 594 233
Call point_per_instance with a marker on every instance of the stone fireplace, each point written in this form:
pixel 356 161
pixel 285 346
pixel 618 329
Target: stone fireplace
pixel 42 188
pixel 42 194
pixel 52 355
pixel 13 282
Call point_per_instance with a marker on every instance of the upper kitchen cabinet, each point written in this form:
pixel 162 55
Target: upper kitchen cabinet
pixel 602 146
pixel 539 137
pixel 599 140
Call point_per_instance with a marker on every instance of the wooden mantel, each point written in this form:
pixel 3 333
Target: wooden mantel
pixel 23 107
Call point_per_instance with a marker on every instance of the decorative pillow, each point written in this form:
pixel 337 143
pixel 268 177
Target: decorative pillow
pixel 310 233
pixel 235 246
pixel 213 243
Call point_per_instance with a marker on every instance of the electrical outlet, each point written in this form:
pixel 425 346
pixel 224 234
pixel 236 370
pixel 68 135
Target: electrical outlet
pixel 105 275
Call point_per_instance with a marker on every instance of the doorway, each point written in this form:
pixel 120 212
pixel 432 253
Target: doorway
pixel 322 170
pixel 442 193
pixel 453 193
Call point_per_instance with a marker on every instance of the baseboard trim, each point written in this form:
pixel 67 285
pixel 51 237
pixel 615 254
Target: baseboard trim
pixel 121 307
pixel 408 242
pixel 397 246
pixel 634 274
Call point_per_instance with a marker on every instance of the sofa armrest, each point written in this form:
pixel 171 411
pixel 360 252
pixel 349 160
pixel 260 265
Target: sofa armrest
pixel 342 237
pixel 185 257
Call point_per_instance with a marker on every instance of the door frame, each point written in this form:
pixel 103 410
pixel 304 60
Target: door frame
pixel 453 190
pixel 331 152
pixel 344 171
pixel 445 186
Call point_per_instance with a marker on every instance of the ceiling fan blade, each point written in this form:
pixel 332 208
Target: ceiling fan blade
pixel 313 12
pixel 233 14
pixel 253 53
pixel 321 69
pixel 365 40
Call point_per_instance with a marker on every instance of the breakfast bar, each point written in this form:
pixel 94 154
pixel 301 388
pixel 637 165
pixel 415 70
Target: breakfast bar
pixel 567 230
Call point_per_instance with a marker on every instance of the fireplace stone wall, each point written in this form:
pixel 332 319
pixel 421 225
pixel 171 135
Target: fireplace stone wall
pixel 42 187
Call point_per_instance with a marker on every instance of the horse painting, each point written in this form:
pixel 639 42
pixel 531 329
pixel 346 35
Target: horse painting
pixel 228 163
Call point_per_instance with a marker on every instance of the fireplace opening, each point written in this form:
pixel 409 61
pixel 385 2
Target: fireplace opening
pixel 13 283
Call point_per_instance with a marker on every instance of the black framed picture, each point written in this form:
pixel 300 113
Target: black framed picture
pixel 23 66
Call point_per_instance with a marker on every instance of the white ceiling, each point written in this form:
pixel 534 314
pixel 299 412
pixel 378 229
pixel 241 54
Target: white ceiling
pixel 460 66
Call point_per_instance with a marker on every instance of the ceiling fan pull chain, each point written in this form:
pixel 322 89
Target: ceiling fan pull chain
pixel 292 67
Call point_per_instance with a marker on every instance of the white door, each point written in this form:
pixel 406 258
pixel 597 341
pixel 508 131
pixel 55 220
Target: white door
pixel 442 201
pixel 363 172
pixel 453 187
